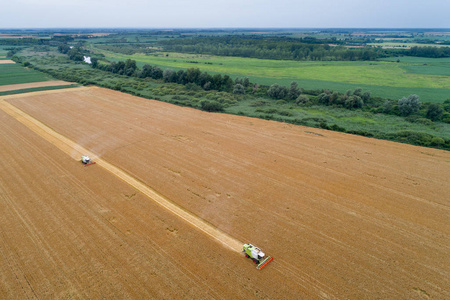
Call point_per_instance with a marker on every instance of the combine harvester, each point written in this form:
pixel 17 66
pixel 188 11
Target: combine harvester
pixel 256 255
pixel 86 160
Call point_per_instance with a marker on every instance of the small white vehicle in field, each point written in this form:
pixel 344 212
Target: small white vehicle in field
pixel 86 160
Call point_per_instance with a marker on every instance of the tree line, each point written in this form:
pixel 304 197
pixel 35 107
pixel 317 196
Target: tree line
pixel 291 48
pixel 194 76
pixel 431 52
pixel 24 42
pixel 272 48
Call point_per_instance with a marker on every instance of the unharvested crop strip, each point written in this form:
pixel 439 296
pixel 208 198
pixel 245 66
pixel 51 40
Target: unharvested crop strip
pixel 68 146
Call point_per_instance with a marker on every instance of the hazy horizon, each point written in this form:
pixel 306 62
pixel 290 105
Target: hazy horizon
pixel 171 14
pixel 232 28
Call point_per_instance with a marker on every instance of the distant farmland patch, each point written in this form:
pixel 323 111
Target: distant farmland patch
pixel 15 74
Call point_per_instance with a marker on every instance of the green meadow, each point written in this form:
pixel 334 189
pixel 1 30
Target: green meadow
pixel 14 74
pixel 429 78
pixel 3 52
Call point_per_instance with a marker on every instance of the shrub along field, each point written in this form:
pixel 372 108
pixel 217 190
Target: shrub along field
pixel 427 77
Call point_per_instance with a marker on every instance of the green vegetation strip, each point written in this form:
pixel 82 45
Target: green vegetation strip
pixel 37 89
pixel 429 78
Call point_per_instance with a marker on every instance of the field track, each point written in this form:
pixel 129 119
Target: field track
pixel 20 86
pixel 344 216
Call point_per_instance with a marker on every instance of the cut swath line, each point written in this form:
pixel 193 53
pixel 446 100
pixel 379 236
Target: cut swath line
pixel 69 147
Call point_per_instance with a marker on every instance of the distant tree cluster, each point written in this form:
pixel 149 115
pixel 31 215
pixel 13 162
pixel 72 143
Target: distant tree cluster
pixel 272 48
pixel 24 42
pixel 127 49
pixel 203 80
pixel 308 48
pixel 127 67
pixel 349 99
pixel 74 53
pixel 12 51
pixel 432 52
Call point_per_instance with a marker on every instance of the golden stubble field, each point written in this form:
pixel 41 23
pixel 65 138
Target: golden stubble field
pixel 7 61
pixel 19 86
pixel 343 216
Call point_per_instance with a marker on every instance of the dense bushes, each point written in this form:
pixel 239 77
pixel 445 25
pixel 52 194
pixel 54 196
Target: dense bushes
pixel 419 138
pixel 211 106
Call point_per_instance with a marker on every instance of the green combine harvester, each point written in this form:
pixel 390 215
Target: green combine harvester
pixel 256 255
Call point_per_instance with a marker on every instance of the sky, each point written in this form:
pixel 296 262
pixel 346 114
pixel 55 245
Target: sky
pixel 225 14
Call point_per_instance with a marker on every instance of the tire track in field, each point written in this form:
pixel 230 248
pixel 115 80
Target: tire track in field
pixel 69 147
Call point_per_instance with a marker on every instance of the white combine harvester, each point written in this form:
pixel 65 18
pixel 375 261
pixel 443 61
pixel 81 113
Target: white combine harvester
pixel 86 160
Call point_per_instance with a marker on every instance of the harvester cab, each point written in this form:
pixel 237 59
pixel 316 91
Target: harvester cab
pixel 256 255
pixel 86 160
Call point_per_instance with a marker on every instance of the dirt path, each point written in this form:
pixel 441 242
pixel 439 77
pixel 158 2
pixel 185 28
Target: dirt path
pixel 69 146
pixel 13 87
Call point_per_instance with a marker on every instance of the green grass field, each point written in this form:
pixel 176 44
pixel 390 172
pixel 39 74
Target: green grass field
pixel 3 52
pixel 14 74
pixel 428 78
